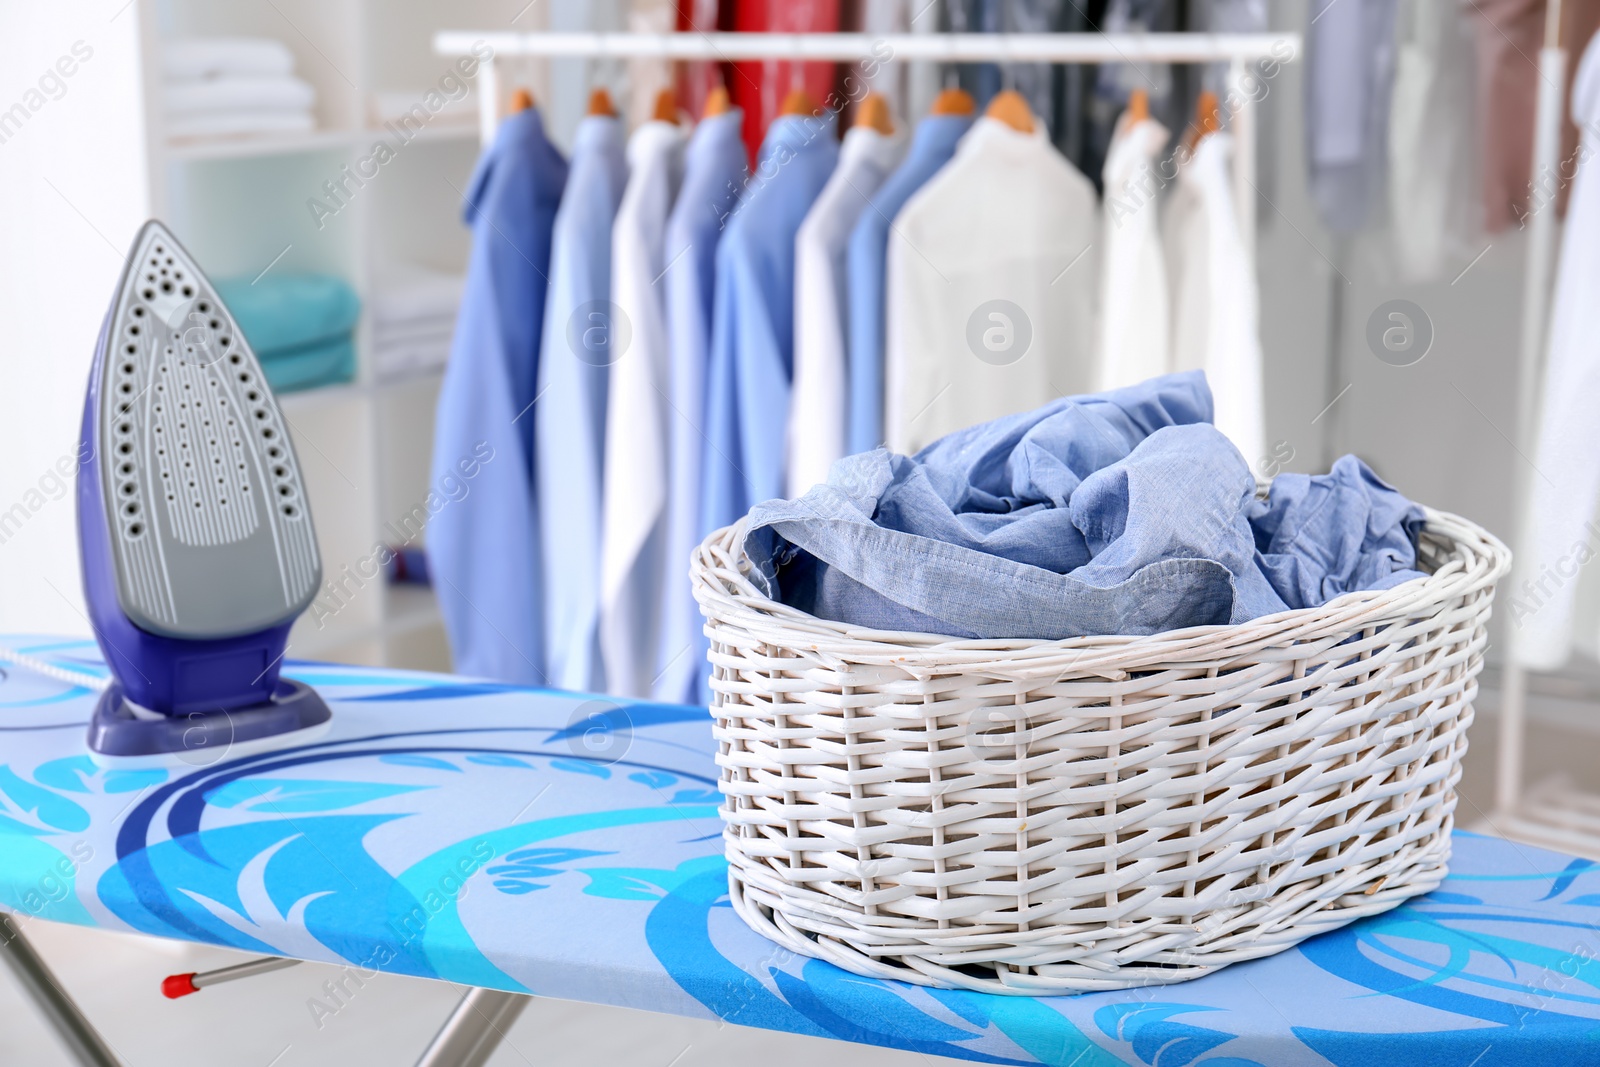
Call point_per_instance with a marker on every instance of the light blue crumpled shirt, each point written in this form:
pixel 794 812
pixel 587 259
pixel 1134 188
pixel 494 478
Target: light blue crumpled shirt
pixel 1324 535
pixel 1121 513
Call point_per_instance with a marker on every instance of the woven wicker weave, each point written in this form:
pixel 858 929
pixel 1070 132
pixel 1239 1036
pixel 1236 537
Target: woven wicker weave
pixel 1058 816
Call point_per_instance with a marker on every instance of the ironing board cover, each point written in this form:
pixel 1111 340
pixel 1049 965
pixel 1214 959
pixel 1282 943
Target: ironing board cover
pixel 569 846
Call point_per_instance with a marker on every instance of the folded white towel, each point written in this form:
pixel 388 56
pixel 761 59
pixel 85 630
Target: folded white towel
pixel 423 331
pixel 188 58
pixel 406 292
pixel 415 327
pixel 394 361
pixel 238 123
pixel 242 92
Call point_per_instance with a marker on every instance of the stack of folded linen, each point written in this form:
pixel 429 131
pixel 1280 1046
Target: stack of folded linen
pixel 299 325
pixel 233 86
pixel 413 317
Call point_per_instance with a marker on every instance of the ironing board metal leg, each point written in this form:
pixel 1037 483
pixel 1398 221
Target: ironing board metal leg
pixel 475 1029
pixel 76 1032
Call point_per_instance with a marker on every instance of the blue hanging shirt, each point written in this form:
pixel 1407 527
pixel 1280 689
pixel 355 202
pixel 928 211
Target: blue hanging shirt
pixel 713 178
pixel 752 326
pixel 570 416
pixel 752 320
pixel 483 541
pixel 931 148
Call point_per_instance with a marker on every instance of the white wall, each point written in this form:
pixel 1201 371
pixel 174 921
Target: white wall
pixel 72 195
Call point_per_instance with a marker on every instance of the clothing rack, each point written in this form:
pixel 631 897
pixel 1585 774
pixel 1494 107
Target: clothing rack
pixel 1556 820
pixel 1238 50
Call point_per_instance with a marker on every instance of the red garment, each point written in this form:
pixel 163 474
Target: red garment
pixel 696 78
pixel 759 85
pixel 1510 34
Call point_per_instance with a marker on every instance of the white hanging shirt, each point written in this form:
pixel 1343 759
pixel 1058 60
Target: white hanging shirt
pixel 990 290
pixel 1432 159
pixel 818 404
pixel 1135 324
pixel 634 494
pixel 1215 314
pixel 1558 536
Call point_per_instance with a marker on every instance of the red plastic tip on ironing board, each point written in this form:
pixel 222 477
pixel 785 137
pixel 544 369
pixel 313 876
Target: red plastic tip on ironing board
pixel 174 986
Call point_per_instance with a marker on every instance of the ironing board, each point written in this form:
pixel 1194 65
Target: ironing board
pixel 568 846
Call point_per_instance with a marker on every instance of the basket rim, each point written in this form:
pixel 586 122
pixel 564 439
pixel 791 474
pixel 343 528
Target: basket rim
pixel 726 597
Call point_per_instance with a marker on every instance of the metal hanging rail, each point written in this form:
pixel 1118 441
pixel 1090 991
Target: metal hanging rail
pixel 1238 50
pixel 842 47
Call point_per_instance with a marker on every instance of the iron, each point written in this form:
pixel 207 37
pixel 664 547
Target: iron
pixel 194 530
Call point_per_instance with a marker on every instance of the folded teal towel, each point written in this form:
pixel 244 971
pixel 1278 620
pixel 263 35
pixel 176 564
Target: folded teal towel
pixel 309 366
pixel 287 311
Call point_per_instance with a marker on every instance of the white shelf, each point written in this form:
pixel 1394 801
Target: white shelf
pixel 259 145
pixel 240 203
pixel 246 147
pixel 437 132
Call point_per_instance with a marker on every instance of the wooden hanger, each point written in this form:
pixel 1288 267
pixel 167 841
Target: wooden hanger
pixel 1207 118
pixel 1138 106
pixel 798 102
pixel 874 113
pixel 521 100
pixel 666 107
pixel 953 102
pixel 600 103
pixel 717 102
pixel 1012 109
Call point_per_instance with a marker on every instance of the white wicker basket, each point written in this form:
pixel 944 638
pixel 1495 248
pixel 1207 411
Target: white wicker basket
pixel 1058 816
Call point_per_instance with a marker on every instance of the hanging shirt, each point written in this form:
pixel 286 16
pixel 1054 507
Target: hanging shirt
pixel 1169 90
pixel 872 72
pixel 759 86
pixel 1135 330
pixel 817 411
pixel 752 325
pixel 1431 140
pixel 634 489
pixel 697 77
pixel 1215 313
pixel 990 305
pixel 483 544
pixel 921 75
pixel 1239 16
pixel 713 178
pixel 648 75
pixel 573 78
pixel 1349 73
pixel 570 422
pixel 1035 81
pixel 1558 536
pixel 931 148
